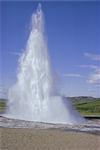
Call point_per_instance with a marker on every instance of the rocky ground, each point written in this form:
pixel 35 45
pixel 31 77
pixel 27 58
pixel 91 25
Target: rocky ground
pixel 26 135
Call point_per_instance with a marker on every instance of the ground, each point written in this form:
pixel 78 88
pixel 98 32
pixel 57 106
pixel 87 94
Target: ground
pixel 39 139
pixel 51 139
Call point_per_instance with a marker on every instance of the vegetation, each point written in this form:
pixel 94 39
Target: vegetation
pixel 2 105
pixel 87 106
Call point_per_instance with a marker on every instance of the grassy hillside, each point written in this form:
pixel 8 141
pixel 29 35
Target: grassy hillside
pixel 87 106
pixel 2 105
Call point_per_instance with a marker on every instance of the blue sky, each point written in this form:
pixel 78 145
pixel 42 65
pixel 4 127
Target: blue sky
pixel 73 35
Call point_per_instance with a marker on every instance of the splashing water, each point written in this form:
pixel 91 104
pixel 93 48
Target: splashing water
pixel 32 97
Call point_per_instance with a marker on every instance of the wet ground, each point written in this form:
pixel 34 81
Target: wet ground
pixel 90 126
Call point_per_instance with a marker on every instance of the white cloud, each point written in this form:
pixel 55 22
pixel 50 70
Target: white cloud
pixel 89 66
pixel 97 85
pixel 14 53
pixel 92 56
pixel 73 75
pixel 94 78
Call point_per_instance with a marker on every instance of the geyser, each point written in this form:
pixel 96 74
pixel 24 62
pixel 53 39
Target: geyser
pixel 33 97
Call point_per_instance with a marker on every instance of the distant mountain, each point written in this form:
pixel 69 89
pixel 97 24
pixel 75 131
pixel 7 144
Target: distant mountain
pixel 80 99
pixel 3 100
pixel 83 99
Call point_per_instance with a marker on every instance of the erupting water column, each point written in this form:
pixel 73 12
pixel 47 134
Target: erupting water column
pixel 32 97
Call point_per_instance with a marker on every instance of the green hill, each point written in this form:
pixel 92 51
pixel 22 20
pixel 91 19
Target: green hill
pixel 2 105
pixel 87 106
